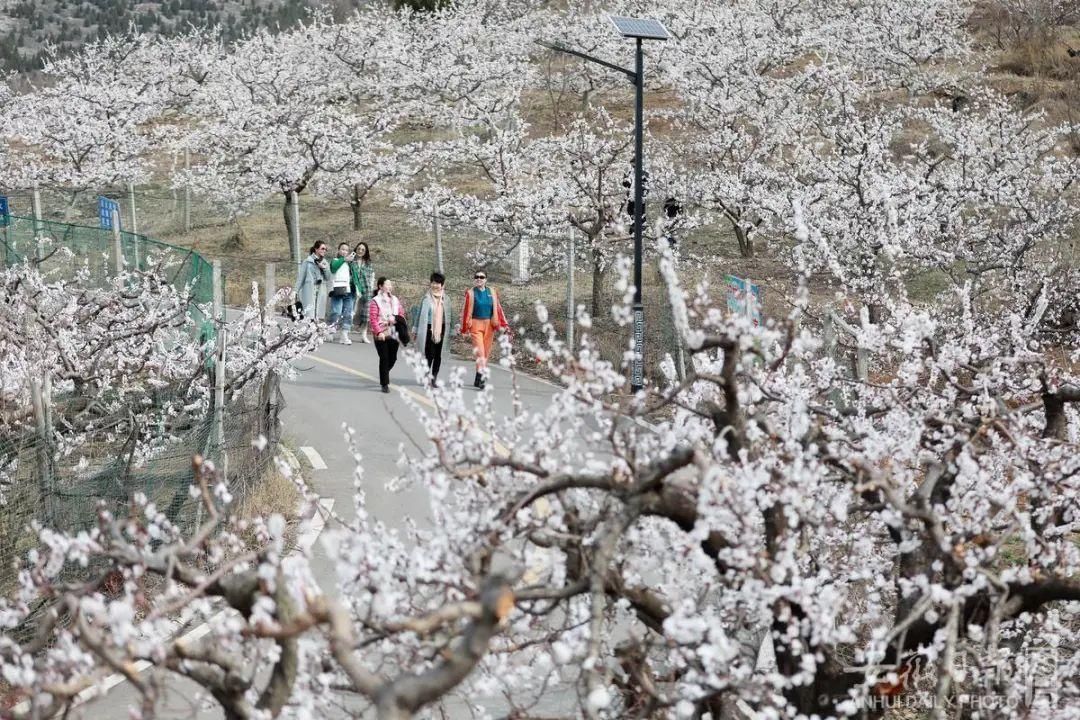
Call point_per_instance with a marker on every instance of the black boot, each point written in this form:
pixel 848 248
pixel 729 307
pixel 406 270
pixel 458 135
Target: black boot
pixel 483 380
pixel 478 382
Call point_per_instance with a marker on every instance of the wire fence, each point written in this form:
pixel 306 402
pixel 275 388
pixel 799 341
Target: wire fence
pixel 114 458
pixel 64 492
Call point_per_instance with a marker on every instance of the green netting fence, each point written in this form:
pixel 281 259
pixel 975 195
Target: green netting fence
pixel 114 460
pixel 62 249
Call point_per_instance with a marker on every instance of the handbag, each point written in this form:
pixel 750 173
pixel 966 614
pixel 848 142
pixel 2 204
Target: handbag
pixel 341 291
pixel 401 327
pixel 294 310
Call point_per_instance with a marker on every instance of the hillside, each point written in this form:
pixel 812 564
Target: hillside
pixel 27 27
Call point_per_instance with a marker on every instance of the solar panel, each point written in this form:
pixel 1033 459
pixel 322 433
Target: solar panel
pixel 645 28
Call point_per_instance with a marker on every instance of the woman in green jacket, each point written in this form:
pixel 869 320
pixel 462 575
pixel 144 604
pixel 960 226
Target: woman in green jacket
pixel 345 281
pixel 365 273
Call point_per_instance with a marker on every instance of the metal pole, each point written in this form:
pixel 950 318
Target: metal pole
pixel 570 309
pixel 46 486
pixel 438 243
pixel 522 265
pixel 118 244
pixel 187 193
pixel 36 202
pixel 828 338
pixel 862 355
pixel 294 210
pixel 748 291
pixel 131 196
pixel 38 227
pixel 219 369
pixel 270 287
pixel 637 374
pixel 175 195
pixel 6 223
pixel 680 354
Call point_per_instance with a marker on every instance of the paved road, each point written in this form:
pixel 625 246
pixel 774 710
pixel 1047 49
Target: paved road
pixel 339 384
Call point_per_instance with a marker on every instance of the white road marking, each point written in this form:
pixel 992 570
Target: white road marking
pixel 307 539
pixel 314 458
pixel 541 507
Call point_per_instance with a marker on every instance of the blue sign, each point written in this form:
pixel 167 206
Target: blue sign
pixel 5 212
pixel 744 298
pixel 106 208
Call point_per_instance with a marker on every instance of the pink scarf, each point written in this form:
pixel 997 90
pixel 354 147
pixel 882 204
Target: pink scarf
pixel 436 317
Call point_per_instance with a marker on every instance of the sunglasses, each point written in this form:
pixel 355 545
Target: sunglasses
pixel 479 277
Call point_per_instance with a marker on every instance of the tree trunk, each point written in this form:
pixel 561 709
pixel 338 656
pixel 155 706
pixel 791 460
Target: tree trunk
pixel 290 231
pixel 746 243
pixel 875 311
pixel 283 677
pixel 597 281
pixel 357 203
pixel 1057 422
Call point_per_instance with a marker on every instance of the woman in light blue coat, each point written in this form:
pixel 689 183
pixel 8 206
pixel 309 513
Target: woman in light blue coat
pixel 314 271
pixel 432 324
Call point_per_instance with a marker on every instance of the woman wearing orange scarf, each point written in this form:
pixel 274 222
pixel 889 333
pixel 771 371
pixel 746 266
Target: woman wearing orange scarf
pixel 481 316
pixel 433 324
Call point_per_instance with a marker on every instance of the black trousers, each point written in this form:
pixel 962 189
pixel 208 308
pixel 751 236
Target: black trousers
pixel 433 353
pixel 387 350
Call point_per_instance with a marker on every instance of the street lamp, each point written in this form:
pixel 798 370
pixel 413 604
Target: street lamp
pixel 639 29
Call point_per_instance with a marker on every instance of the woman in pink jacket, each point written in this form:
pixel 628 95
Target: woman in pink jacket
pixel 385 311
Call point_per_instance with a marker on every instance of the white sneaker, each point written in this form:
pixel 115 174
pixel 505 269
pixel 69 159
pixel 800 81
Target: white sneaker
pixel 365 338
pixel 345 339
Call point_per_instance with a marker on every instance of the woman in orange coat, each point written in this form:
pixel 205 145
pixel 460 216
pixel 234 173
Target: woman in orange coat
pixel 481 316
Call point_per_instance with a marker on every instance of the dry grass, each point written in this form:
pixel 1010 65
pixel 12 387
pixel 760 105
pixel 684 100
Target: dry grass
pixel 1028 57
pixel 272 494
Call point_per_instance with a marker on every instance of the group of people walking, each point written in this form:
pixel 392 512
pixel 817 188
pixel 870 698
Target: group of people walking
pixel 351 287
pixel 349 278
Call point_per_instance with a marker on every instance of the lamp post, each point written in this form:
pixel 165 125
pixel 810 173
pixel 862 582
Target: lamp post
pixel 639 29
